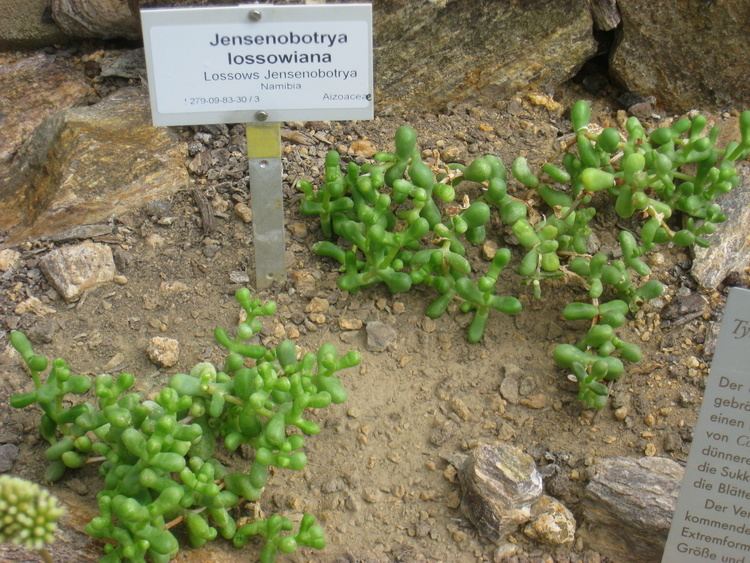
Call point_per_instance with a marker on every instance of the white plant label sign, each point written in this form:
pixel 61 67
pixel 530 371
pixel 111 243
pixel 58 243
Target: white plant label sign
pixel 282 63
pixel 712 519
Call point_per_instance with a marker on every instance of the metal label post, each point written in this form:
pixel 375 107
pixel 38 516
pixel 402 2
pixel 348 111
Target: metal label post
pixel 264 162
pixel 261 65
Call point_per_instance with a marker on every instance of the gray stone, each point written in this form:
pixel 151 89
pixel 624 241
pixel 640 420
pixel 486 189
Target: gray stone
pixel 729 249
pixel 628 507
pixel 509 389
pixel 499 483
pixel 104 19
pixel 238 276
pixel 71 270
pixel 712 337
pixel 27 25
pixel 683 309
pixel 124 64
pixel 335 485
pixel 8 456
pixel 605 13
pixel 678 52
pixel 379 336
pixel 72 172
pixel 42 331
pixel 551 522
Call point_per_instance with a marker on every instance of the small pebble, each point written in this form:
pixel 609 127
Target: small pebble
pixel 350 324
pixel 9 259
pixel 163 352
pixel 243 211
pixel 489 249
pixel 536 401
pixel 317 305
pixel 363 147
pixel 460 408
pixel 8 456
pixel 429 325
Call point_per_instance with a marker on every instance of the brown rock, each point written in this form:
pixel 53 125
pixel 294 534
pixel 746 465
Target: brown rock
pixel 35 87
pixel 71 270
pixel 86 164
pixel 677 53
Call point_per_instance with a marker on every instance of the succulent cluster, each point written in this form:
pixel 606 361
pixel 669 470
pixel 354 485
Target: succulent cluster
pixel 158 455
pixel 396 221
pixel 28 513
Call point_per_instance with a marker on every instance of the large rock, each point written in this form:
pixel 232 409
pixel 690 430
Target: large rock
pixel 628 507
pixel 71 270
pixel 95 18
pixel 729 249
pixel 87 164
pixel 686 54
pixel 429 53
pixel 499 484
pixel 27 24
pixel 34 87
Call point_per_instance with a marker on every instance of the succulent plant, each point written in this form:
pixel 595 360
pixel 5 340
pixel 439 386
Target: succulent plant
pixel 28 513
pixel 395 222
pixel 157 455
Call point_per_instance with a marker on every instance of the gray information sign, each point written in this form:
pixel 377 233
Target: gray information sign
pixel 712 519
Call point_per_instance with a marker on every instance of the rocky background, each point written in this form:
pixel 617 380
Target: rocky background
pixel 128 239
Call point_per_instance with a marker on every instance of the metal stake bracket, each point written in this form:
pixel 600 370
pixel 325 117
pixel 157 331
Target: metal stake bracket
pixel 264 162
